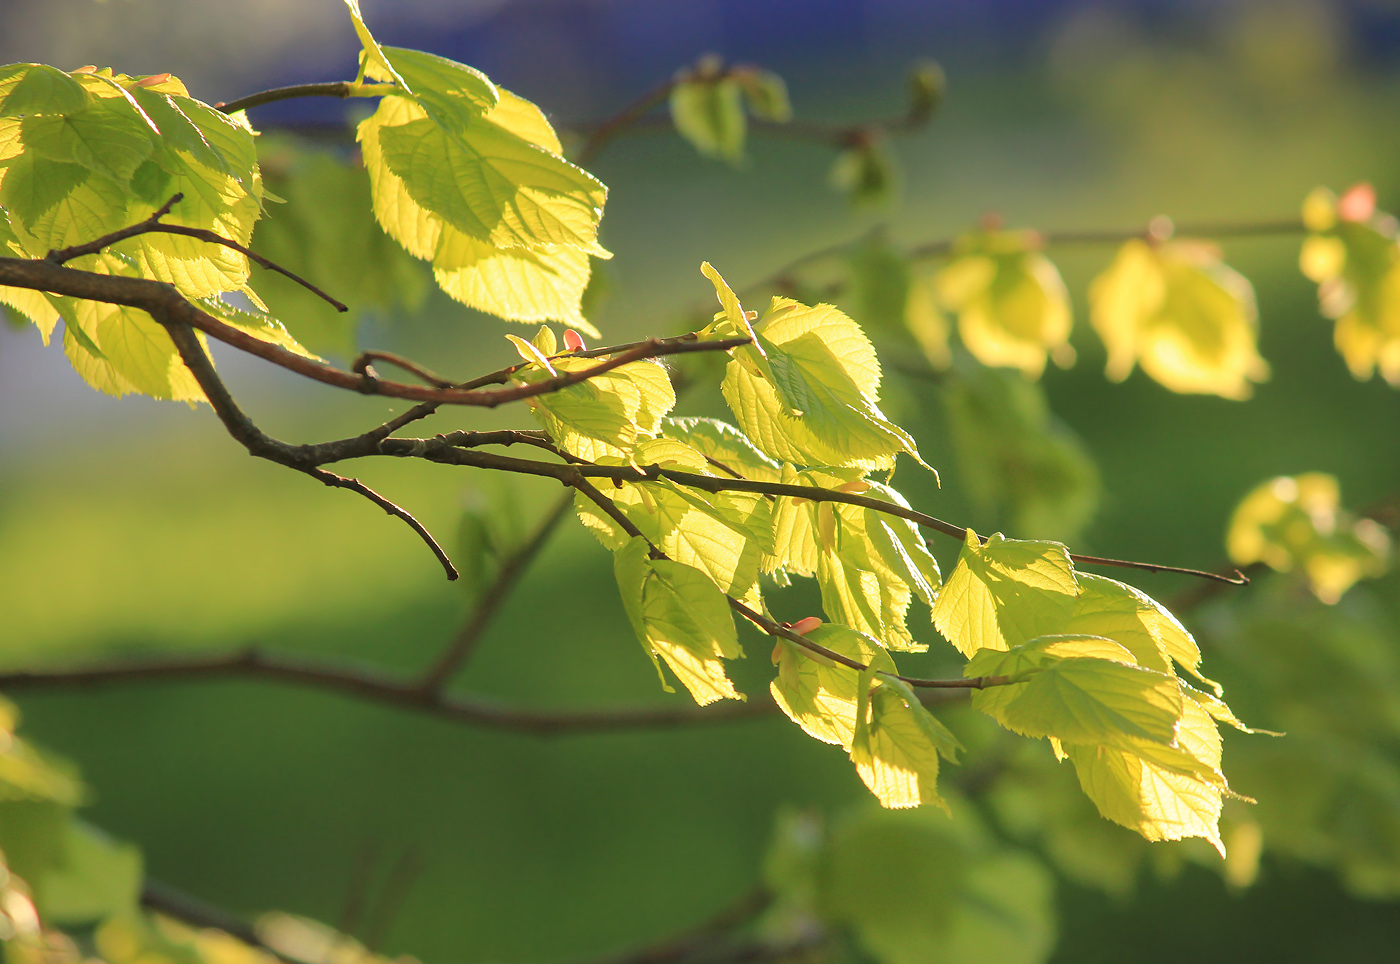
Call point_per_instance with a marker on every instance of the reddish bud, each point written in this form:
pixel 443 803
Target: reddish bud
pixel 153 80
pixel 805 625
pixel 1358 203
pixel 573 341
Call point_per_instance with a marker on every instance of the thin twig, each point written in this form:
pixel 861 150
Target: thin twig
pixel 392 897
pixel 512 568
pixel 436 450
pixel 610 127
pixel 362 366
pixel 339 88
pixel 152 225
pixel 241 427
pixel 168 306
pixel 393 509
pixel 188 909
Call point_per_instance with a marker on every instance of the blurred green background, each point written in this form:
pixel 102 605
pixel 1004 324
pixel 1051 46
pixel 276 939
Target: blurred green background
pixel 131 527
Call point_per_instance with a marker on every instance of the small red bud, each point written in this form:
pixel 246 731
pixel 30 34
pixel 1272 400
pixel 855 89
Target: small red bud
pixel 1358 203
pixel 153 80
pixel 573 341
pixel 805 625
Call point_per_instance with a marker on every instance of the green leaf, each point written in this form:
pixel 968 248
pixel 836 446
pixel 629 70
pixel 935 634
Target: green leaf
pixel 725 445
pixel 509 229
pixel 137 354
pixel 34 89
pixel 1002 590
pixel 1082 699
pixel 1189 320
pixel 819 695
pixel 1355 260
pixel 866 174
pixel 679 615
pixel 1298 521
pixel 96 878
pixel 766 94
pixel 32 187
pixel 918 888
pixel 1011 305
pixel 104 138
pixel 808 392
pixel 710 114
pixel 897 744
pixel 606 415
pixel 453 94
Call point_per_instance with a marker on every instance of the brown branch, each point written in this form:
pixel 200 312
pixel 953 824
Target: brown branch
pixel 362 365
pixel 152 225
pixel 188 909
pixel 241 427
pixel 167 307
pixel 339 88
pixel 441 450
pixel 634 117
pixel 771 627
pixel 512 568
pixel 375 686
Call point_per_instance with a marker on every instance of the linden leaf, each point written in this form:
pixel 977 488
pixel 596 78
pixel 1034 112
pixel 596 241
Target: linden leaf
pixel 819 695
pixel 1354 257
pixel 1011 305
pixel 710 114
pixel 1003 589
pixel 897 743
pixel 679 615
pixel 1298 521
pixel 1189 320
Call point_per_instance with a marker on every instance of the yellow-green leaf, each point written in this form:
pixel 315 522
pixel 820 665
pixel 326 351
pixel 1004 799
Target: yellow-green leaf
pixel 819 695
pixel 1189 320
pixel 710 114
pixel 679 615
pixel 897 743
pixel 1298 521
pixel 1002 590
pixel 1012 307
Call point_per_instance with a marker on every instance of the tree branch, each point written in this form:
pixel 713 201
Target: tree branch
pixel 375 686
pixel 168 307
pixel 152 225
pixel 338 88
pixel 188 909
pixel 444 449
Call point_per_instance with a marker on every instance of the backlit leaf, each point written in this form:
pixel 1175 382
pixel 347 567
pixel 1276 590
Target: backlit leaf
pixel 1298 521
pixel 710 114
pixel 679 615
pixel 1012 307
pixel 1002 590
pixel 897 744
pixel 819 695
pixel 1175 309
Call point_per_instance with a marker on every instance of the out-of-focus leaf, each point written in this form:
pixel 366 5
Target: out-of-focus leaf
pixel 1189 320
pixel 866 174
pixel 1013 310
pixel 1298 521
pixel 1353 255
pixel 709 112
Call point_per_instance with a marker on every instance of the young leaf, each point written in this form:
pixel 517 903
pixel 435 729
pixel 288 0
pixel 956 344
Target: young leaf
pixel 1353 255
pixel 449 216
pixel 807 391
pixel 866 174
pixel 821 696
pixel 1002 590
pixel 897 743
pixel 1189 320
pixel 1298 521
pixel 709 113
pixel 728 450
pixel 679 615
pixel 1011 305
